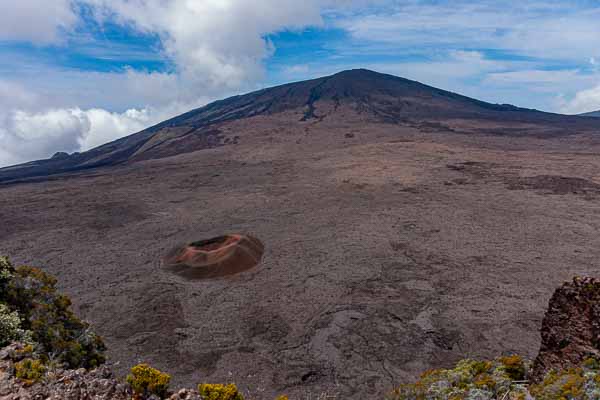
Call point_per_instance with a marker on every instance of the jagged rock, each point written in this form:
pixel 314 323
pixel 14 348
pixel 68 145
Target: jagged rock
pixel 571 327
pixel 73 384
pixel 186 394
pixel 14 352
pixel 99 384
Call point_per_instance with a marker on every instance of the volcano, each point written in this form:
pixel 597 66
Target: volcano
pixel 354 95
pixel 322 239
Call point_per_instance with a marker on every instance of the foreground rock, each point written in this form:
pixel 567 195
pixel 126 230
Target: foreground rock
pixel 571 327
pixel 69 384
pixel 99 384
pixel 79 384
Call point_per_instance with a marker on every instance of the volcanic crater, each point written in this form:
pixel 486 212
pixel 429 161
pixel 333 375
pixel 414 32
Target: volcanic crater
pixel 215 257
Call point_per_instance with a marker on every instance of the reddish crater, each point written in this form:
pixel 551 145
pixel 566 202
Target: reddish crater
pixel 220 256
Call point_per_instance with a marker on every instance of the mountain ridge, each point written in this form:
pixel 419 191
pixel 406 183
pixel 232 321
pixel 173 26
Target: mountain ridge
pixel 381 97
pixel 591 114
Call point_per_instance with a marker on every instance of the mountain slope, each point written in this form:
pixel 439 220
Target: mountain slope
pixel 375 97
pixel 590 114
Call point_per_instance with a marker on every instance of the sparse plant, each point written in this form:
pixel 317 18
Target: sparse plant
pixel 6 274
pixel 582 383
pixel 146 381
pixel 514 367
pixel 468 380
pixel 29 371
pixel 219 392
pixel 10 325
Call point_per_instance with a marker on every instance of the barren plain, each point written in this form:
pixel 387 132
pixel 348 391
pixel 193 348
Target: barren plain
pixel 389 248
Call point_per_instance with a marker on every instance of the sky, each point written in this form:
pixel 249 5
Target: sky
pixel 75 74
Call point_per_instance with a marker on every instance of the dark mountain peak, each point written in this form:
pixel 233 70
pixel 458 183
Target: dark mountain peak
pixel 374 96
pixel 358 73
pixel 60 155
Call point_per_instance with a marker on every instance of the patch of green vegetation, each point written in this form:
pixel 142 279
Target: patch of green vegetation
pixel 29 371
pixel 44 318
pixel 469 379
pixel 219 392
pixel 582 383
pixel 503 378
pixel 146 381
pixel 10 327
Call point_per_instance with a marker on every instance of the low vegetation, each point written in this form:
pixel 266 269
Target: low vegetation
pixel 504 378
pixel 582 383
pixel 10 327
pixel 146 381
pixel 29 371
pixel 32 311
pixel 469 379
pixel 219 392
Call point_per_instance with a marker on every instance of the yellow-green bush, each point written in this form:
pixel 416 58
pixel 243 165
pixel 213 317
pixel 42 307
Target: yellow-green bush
pixel 146 381
pixel 219 392
pixel 469 379
pixel 514 367
pixel 502 379
pixel 581 383
pixel 29 371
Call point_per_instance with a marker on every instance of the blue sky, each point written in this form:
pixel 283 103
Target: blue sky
pixel 77 73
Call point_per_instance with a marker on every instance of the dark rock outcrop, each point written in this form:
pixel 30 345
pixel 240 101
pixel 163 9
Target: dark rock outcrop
pixel 571 327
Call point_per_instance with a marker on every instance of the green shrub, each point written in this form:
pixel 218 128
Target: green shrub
pixel 29 371
pixel 146 381
pixel 10 326
pixel 59 334
pixel 514 367
pixel 219 392
pixel 469 379
pixel 6 274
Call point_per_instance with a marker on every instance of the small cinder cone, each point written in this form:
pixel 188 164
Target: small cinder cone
pixel 221 256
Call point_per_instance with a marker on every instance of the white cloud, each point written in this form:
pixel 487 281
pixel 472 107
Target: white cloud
pixel 38 21
pixel 36 135
pixel 542 29
pixel 584 101
pixel 215 44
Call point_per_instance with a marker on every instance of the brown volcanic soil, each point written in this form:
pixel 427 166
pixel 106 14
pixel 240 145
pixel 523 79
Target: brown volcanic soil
pixel 400 247
pixel 211 258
